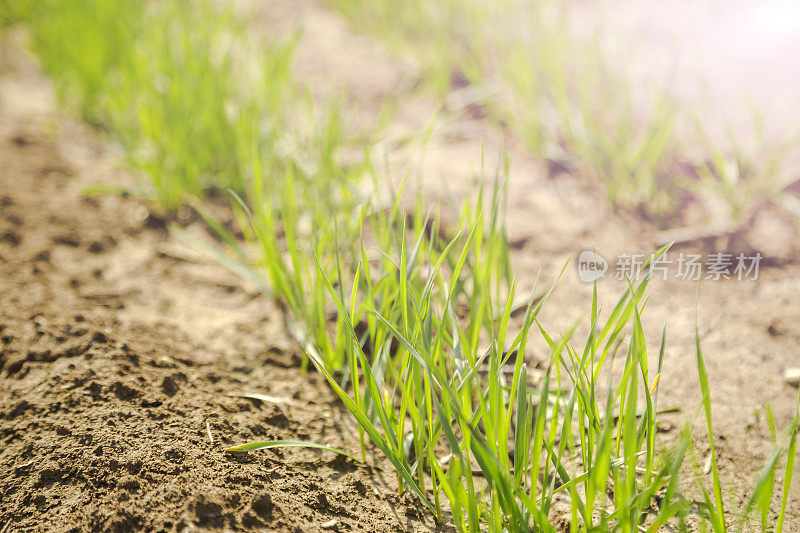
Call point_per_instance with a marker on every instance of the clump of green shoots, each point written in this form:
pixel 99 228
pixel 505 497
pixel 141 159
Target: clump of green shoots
pixel 177 83
pixel 576 105
pixel 550 71
pixel 445 45
pixel 432 395
pixel 448 398
pixel 745 174
pixel 562 92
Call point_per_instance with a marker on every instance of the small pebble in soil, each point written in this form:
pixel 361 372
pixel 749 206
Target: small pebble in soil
pixel 792 377
pixel 665 427
pixel 330 524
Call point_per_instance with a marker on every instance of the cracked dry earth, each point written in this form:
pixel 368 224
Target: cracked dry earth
pixel 119 352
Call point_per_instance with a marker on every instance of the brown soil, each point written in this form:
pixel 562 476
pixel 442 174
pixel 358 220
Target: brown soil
pixel 119 350
pixel 119 346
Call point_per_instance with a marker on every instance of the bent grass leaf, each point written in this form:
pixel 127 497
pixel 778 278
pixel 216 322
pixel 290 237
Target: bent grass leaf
pixel 265 445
